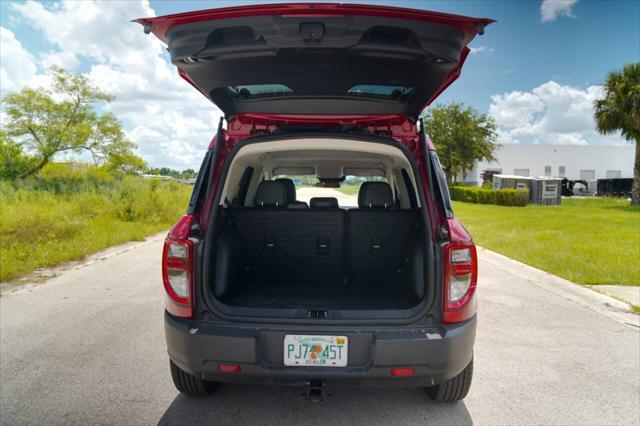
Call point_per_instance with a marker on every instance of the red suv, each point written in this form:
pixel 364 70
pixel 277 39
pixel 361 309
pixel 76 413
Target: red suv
pixel 319 244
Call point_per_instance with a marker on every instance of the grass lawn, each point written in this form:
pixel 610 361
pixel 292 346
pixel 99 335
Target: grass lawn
pixel 41 228
pixel 588 240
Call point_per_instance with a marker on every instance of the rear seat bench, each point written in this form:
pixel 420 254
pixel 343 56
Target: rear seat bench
pixel 323 243
pixel 378 236
pixel 290 244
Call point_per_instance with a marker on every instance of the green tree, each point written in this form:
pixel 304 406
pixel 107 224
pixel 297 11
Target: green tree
pixel 46 122
pixel 462 136
pixel 13 161
pixel 619 110
pixel 188 174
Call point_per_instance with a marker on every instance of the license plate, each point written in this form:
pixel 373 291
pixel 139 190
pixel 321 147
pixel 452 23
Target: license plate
pixel 315 351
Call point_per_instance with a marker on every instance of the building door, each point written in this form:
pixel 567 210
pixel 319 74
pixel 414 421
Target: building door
pixel 587 175
pixel 521 172
pixel 613 174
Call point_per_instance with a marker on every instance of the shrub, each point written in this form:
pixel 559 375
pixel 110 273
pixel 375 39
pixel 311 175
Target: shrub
pixel 58 216
pixel 502 197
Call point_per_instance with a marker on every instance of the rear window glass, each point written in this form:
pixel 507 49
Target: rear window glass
pixel 390 92
pixel 258 90
pixel 250 91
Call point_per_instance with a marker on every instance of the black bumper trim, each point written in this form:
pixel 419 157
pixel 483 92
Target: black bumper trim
pixel 436 354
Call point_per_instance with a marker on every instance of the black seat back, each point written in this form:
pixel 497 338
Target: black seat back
pixel 377 235
pixel 375 195
pixel 290 244
pixel 271 193
pixel 324 203
pixel 290 187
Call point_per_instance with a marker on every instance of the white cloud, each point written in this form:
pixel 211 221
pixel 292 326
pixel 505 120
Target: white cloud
pixel 521 108
pixel 550 113
pixel 481 49
pixel 17 65
pixel 66 60
pixel 550 10
pixel 170 121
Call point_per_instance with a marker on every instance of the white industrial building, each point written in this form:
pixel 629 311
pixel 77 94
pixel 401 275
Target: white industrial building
pixel 584 162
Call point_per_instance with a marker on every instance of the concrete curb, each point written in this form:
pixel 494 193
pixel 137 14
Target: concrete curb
pixel 607 306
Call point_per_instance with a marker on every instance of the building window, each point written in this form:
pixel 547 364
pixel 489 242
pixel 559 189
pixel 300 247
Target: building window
pixel 587 175
pixel 547 170
pixel 613 174
pixel 561 171
pixel 521 172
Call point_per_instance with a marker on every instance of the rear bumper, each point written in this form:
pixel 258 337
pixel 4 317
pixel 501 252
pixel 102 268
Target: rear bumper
pixel 435 354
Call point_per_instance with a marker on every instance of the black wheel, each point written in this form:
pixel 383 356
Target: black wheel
pixel 454 389
pixel 188 383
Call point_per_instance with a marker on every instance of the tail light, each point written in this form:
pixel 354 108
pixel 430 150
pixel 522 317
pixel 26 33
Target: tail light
pixel 177 266
pixel 460 277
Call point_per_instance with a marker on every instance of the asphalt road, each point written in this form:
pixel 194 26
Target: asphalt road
pixel 87 347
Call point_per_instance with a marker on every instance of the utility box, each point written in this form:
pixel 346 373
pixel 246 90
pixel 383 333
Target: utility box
pixel 510 182
pixel 545 190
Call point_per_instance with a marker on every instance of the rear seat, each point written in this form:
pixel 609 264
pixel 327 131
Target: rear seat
pixel 292 198
pixel 271 193
pixel 324 203
pixel 285 244
pixel 308 244
pixel 378 235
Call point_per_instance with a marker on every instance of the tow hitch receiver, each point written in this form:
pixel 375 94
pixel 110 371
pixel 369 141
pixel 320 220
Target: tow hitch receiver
pixel 315 392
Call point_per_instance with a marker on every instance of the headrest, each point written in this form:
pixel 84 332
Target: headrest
pixel 298 205
pixel 375 195
pixel 290 187
pixel 324 203
pixel 271 194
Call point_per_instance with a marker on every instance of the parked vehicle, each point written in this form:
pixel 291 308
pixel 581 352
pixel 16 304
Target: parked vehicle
pixel 573 187
pixel 265 288
pixel 620 187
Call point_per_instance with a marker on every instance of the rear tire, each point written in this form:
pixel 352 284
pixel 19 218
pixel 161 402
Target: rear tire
pixel 188 383
pixel 454 389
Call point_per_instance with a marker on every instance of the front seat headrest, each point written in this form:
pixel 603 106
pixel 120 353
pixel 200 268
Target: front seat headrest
pixel 376 195
pixel 290 187
pixel 271 194
pixel 298 205
pixel 324 203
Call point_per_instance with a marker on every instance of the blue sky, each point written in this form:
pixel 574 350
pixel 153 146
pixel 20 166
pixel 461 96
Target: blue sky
pixel 536 70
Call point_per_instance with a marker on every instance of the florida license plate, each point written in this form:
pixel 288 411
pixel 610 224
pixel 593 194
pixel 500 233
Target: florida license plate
pixel 315 351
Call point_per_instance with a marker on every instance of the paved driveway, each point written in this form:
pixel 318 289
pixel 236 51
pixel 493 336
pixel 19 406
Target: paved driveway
pixel 87 347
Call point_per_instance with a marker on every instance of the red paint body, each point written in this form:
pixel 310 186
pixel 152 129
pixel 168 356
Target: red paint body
pixel 398 127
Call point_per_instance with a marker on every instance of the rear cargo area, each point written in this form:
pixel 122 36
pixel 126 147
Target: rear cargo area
pixel 320 251
pixel 257 293
pixel 320 258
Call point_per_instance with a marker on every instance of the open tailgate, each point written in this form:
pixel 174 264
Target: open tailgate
pixel 317 58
